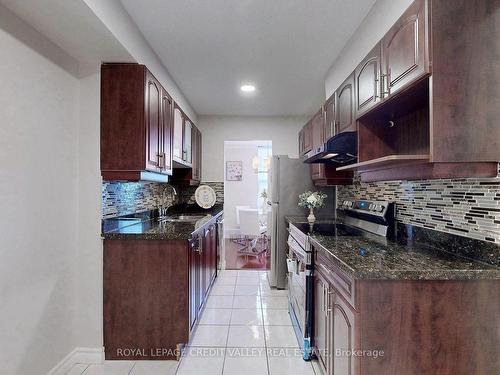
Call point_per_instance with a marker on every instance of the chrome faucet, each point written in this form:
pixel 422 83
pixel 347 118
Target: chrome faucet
pixel 163 205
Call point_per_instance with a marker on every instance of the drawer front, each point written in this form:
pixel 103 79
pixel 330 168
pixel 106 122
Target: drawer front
pixel 344 284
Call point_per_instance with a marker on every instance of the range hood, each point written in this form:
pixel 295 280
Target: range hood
pixel 341 149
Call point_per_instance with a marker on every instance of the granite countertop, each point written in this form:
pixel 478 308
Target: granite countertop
pixel 412 254
pixel 148 226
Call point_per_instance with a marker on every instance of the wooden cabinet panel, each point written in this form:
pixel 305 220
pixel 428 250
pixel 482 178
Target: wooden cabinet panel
pixel 194 280
pixel 321 332
pixel 345 120
pixel 178 130
pixel 167 132
pixel 327 175
pixel 197 153
pixel 329 115
pixel 187 154
pixel 141 279
pixel 135 124
pixel 153 122
pixel 367 82
pixel 343 334
pixel 318 130
pixel 307 137
pixel 405 50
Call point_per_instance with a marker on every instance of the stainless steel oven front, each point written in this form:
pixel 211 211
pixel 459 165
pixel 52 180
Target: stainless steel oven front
pixel 300 284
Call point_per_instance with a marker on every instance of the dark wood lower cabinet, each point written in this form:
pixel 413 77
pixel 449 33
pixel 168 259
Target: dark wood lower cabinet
pixel 154 291
pixel 411 327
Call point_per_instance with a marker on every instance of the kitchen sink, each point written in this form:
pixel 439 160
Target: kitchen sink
pixel 187 218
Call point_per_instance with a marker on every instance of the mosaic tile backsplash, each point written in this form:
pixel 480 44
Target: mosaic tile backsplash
pixel 466 207
pixel 122 198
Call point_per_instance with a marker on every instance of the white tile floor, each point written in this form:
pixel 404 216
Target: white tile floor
pixel 244 329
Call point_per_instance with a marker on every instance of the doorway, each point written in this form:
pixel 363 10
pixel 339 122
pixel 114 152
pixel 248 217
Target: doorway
pixel 246 238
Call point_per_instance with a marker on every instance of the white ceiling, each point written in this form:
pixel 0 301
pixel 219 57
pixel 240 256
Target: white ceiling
pixel 72 26
pixel 284 47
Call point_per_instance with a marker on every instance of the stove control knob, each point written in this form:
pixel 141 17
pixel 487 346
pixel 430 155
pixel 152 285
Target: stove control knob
pixel 380 208
pixel 371 207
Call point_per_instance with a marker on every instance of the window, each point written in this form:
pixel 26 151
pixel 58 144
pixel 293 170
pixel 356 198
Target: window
pixel 264 154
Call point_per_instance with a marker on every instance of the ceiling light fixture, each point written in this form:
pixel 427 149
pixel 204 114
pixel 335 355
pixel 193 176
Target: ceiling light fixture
pixel 247 88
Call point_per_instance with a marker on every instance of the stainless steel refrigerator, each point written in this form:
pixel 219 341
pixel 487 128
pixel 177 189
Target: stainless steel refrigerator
pixel 288 177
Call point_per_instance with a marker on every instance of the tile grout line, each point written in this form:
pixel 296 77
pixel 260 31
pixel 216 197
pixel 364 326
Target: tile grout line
pixel 264 330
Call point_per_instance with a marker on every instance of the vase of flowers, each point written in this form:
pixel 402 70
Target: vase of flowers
pixel 312 200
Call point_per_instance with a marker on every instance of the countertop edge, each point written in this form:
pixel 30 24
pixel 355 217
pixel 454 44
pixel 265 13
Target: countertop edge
pixel 159 236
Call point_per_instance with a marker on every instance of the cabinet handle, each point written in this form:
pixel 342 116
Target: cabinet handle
pixel 328 307
pixel 378 88
pixel 161 160
pixel 384 84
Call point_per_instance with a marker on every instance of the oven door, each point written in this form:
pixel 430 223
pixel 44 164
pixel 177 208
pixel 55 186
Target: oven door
pixel 297 276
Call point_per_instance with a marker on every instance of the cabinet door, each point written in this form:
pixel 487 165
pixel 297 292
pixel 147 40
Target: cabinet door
pixel 166 131
pixel 329 113
pixel 405 57
pixel 301 142
pixel 213 252
pixel 178 130
pixel 199 151
pixel 367 82
pixel 206 263
pixel 196 151
pixel 317 171
pixel 193 309
pixel 321 331
pixel 318 130
pixel 187 155
pixel 307 137
pixel 345 106
pixel 343 320
pixel 153 122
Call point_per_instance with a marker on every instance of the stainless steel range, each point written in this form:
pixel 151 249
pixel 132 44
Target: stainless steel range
pixel 358 218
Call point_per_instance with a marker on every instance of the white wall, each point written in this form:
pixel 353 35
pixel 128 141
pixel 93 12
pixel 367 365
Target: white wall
pixel 378 21
pixel 282 131
pixel 38 197
pixel 115 17
pixel 244 192
pixel 88 324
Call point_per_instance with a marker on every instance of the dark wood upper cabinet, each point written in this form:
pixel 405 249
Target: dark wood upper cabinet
pixel 308 137
pixel 187 141
pixel 197 153
pixel 178 133
pixel 345 119
pixel 136 122
pixel 367 82
pixel 329 114
pixel 167 107
pixel 405 49
pixel 438 112
pixel 154 121
pixel 318 130
pixel 190 174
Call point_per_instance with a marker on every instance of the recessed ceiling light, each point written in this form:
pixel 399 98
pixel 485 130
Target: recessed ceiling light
pixel 247 88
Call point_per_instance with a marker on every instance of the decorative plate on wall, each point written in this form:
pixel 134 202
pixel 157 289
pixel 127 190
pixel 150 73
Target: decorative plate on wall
pixel 205 196
pixel 234 170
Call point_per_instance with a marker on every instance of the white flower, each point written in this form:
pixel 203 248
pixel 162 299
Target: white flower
pixel 312 199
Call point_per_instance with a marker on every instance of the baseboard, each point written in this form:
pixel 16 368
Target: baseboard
pixel 78 355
